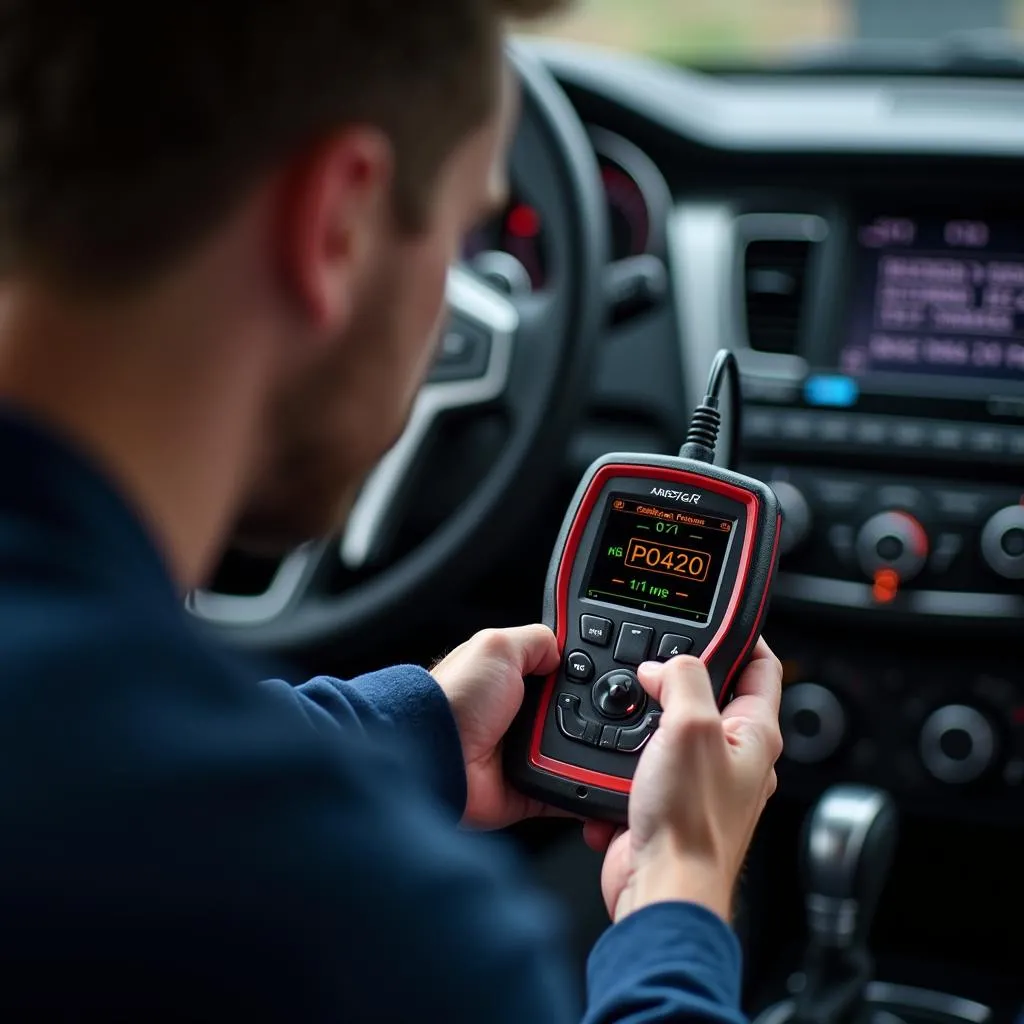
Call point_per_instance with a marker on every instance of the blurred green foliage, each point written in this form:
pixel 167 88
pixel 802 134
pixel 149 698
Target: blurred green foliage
pixel 696 31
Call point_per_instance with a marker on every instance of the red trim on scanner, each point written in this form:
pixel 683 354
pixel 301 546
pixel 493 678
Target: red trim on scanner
pixel 603 475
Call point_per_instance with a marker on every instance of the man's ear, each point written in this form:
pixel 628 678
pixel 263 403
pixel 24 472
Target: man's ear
pixel 335 205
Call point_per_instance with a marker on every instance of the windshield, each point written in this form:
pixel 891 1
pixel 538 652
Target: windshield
pixel 745 32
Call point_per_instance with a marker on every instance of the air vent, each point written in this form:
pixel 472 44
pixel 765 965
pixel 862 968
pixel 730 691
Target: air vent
pixel 775 278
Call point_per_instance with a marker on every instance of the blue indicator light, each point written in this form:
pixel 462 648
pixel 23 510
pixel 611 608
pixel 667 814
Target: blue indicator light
pixel 838 392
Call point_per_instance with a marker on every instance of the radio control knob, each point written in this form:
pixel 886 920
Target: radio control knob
pixel 813 723
pixel 796 516
pixel 893 541
pixel 958 744
pixel 1002 542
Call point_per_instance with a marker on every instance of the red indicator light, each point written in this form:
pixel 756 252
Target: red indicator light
pixel 887 586
pixel 1018 716
pixel 523 221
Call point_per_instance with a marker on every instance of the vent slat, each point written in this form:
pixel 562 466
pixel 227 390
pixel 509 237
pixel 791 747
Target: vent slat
pixel 775 278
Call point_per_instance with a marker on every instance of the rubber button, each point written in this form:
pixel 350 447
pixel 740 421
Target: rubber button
pixel 595 630
pixel 579 668
pixel 673 646
pixel 567 715
pixel 634 643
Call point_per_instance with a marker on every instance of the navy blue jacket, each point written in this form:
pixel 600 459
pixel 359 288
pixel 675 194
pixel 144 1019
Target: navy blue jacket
pixel 179 841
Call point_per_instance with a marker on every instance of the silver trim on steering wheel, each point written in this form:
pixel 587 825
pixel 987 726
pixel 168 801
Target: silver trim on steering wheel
pixel 468 298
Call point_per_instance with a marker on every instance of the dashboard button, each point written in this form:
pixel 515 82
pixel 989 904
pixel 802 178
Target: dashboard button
pixel 567 715
pixel 947 547
pixel 839 495
pixel 609 738
pixel 672 646
pixel 634 643
pixel 963 506
pixel 843 542
pixel 760 424
pixel 870 431
pixel 910 434
pixel 593 734
pixel 949 439
pixel 595 630
pixel 579 668
pixel 986 442
pixel 797 426
pixel 835 429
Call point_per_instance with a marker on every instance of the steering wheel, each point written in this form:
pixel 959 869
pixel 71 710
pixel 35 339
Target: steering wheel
pixel 527 357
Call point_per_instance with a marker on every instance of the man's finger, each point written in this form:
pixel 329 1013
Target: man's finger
pixel 681 686
pixel 532 649
pixel 598 835
pixel 760 684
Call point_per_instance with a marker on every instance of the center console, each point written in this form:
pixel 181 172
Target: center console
pixel 916 371
pixel 891 425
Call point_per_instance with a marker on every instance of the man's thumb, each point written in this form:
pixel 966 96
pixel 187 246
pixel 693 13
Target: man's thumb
pixel 682 686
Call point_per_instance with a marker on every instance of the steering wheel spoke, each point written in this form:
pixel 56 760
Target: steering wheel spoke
pixel 472 369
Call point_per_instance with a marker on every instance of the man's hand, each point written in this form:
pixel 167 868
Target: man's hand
pixel 483 680
pixel 699 789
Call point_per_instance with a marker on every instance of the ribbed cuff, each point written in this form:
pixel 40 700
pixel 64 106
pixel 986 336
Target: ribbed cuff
pixel 667 954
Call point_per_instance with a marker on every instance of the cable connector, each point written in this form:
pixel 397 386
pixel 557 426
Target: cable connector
pixel 706 422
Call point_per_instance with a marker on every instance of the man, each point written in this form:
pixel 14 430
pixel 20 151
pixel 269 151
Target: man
pixel 224 235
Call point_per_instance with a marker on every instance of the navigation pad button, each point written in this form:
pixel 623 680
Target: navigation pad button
pixel 567 714
pixel 634 643
pixel 632 741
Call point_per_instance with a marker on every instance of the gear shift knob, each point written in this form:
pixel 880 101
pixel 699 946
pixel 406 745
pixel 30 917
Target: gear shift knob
pixel 849 841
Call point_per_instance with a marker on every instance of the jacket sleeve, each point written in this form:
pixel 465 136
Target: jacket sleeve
pixel 405 700
pixel 669 963
pixel 441 901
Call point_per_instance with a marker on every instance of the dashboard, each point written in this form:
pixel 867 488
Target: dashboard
pixel 860 245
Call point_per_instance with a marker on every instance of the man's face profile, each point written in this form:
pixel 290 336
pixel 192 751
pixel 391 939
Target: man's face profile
pixel 332 422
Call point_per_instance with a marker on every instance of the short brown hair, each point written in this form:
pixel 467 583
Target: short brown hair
pixel 127 130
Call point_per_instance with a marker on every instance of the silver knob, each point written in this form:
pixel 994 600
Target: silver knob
pixel 813 723
pixel 1002 542
pixel 796 516
pixel 958 744
pixel 893 540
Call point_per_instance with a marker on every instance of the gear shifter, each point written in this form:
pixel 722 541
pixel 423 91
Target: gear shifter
pixel 848 844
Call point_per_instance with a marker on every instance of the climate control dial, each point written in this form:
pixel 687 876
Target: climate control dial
pixel 1002 542
pixel 958 744
pixel 893 541
pixel 813 723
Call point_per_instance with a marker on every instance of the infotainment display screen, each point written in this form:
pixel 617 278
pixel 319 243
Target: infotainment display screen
pixel 937 297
